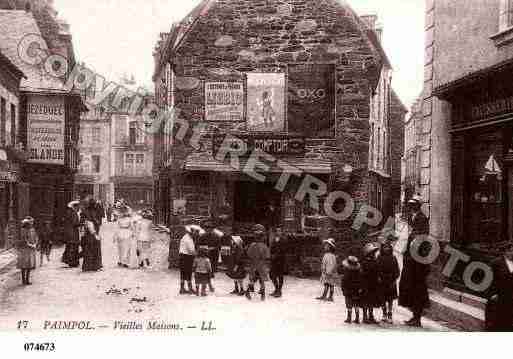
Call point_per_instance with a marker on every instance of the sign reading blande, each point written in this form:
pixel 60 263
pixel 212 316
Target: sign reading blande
pixel 224 101
pixel 45 127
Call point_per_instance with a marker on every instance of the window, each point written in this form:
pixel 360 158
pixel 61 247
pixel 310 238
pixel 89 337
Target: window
pixel 13 125
pixel 96 163
pixel 129 163
pixel 2 122
pixel 139 164
pixel 506 14
pixel 96 135
pixel 135 133
pixel 372 147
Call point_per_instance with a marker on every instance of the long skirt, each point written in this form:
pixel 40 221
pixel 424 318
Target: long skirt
pixel 186 263
pixel 91 253
pixel 26 258
pixel 71 255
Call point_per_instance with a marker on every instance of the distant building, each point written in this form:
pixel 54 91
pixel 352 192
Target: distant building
pixel 94 171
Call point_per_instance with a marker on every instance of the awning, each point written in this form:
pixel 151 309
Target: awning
pixel 206 162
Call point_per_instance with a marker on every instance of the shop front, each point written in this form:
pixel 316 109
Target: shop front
pixel 13 199
pixel 482 169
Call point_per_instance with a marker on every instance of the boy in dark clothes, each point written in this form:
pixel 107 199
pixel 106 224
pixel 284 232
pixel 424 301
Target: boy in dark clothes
pixel 45 241
pixel 277 263
pixel 352 287
pixel 371 297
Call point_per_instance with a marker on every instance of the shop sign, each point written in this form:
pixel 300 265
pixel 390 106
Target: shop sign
pixel 266 102
pixel 492 108
pixel 224 101
pixel 274 144
pixel 311 100
pixel 45 124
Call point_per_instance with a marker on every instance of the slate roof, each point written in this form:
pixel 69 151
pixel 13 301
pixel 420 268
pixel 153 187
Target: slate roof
pixel 15 25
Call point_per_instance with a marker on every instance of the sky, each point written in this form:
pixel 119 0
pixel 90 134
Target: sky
pixel 114 37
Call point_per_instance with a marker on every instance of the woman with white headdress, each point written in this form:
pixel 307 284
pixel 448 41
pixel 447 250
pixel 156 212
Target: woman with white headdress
pixel 187 253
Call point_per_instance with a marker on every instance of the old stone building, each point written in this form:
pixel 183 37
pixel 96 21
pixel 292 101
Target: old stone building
pixel 466 130
pixel 49 112
pixel 12 157
pixel 301 80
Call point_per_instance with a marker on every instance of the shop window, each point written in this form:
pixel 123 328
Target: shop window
pixel 3 120
pixel 96 163
pixel 486 189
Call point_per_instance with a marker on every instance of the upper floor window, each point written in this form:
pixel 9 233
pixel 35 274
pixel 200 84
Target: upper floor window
pixel 135 133
pixel 96 163
pixel 13 124
pixel 506 14
pixel 96 135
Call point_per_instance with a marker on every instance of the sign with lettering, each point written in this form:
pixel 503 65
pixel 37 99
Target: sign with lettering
pixel 266 102
pixel 311 101
pixel 224 101
pixel 493 108
pixel 45 125
pixel 274 144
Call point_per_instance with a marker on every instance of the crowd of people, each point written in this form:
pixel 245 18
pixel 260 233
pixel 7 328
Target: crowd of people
pixel 367 283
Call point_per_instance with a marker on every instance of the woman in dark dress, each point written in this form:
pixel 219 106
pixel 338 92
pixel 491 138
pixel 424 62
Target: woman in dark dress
pixel 91 243
pixel 72 235
pixel 413 289
pixel 236 265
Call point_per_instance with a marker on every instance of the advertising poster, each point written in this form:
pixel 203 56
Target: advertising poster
pixel 311 106
pixel 224 101
pixel 266 102
pixel 45 126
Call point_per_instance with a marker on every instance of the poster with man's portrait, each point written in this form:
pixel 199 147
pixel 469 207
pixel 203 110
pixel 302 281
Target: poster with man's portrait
pixel 266 102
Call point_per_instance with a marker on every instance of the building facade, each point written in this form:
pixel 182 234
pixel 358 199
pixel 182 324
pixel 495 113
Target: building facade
pixel 131 157
pixel 49 113
pixel 465 143
pixel 94 171
pixel 412 151
pixel 300 81
pixel 12 205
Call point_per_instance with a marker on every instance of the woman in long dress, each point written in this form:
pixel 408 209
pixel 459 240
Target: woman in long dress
pixel 72 235
pixel 26 245
pixel 91 242
pixel 122 235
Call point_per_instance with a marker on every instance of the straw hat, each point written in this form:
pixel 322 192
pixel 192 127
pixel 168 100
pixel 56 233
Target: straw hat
pixel 370 248
pixel 331 242
pixel 416 199
pixel 351 262
pixel 258 228
pixel 194 228
pixel 73 204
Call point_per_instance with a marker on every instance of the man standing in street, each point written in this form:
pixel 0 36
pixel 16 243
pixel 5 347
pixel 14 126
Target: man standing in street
pixel 259 255
pixel 413 290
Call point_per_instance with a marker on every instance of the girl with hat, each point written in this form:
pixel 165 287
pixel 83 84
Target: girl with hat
pixel 236 270
pixel 388 269
pixel 351 285
pixel 202 271
pixel 26 245
pixel 328 270
pixel 144 238
pixel 371 297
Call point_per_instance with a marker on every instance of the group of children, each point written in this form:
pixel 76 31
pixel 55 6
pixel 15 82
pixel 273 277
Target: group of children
pixel 367 284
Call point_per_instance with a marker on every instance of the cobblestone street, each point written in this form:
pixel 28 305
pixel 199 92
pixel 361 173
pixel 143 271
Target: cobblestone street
pixel 142 296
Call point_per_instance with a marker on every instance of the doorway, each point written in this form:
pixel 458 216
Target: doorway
pixel 252 201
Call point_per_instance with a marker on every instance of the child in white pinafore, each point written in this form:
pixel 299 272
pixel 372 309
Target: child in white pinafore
pixel 144 238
